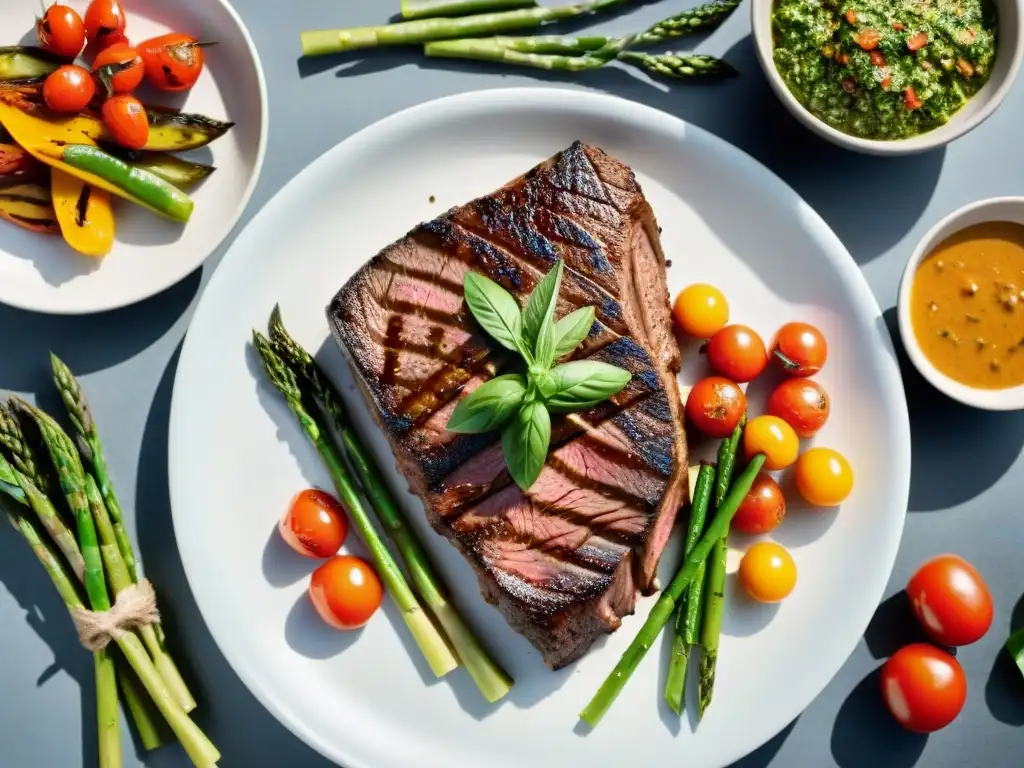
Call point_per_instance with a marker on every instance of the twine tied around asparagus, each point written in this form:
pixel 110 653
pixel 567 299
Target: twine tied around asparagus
pixel 134 608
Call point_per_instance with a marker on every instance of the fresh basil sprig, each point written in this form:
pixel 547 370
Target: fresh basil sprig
pixel 521 404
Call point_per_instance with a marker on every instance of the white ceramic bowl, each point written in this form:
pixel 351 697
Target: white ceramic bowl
pixel 1009 52
pixel 994 209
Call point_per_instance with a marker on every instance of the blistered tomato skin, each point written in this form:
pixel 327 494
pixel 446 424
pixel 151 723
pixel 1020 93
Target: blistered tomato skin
pixel 762 509
pixel 715 406
pixel 924 687
pixel 315 525
pixel 951 600
pixel 801 403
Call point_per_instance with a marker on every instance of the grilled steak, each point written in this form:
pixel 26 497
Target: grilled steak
pixel 563 561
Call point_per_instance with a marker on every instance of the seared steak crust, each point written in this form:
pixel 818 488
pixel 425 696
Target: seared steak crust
pixel 562 561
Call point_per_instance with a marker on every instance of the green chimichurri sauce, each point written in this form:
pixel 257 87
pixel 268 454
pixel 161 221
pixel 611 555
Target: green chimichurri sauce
pixel 884 69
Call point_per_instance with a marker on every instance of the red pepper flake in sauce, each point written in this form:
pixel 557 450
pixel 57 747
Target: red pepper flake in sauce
pixel 898 26
pixel 886 82
pixel 851 16
pixel 917 42
pixel 867 39
pixel 877 58
pixel 911 100
pixel 842 58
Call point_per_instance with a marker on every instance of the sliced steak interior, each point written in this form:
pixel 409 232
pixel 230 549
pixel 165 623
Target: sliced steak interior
pixel 563 561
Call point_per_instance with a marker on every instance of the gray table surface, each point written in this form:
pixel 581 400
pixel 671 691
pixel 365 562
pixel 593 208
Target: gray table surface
pixel 967 477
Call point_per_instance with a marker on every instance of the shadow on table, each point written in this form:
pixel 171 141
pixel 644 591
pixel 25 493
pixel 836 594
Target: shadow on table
pixel 762 757
pixel 232 724
pixel 1004 691
pixel 865 734
pixel 754 121
pixel 87 343
pixel 23 577
pixel 972 447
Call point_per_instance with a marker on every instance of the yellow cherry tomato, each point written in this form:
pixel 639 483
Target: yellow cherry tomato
pixel 701 310
pixel 823 477
pixel 774 438
pixel 767 572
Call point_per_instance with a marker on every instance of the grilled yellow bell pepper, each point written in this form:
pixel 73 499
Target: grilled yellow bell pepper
pixel 84 213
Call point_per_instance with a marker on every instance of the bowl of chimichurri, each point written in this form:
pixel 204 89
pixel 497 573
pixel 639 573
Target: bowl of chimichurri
pixel 889 76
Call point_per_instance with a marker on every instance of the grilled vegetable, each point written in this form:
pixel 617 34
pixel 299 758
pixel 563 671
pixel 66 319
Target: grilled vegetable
pixel 29 206
pixel 17 166
pixel 169 131
pixel 84 213
pixel 26 64
pixel 184 174
pixel 92 165
pixel 132 183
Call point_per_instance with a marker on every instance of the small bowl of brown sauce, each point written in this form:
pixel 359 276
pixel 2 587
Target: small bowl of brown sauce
pixel 961 305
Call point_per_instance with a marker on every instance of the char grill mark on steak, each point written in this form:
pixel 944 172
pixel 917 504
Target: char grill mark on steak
pixel 557 561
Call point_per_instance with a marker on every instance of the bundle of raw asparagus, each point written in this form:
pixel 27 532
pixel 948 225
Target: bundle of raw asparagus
pixel 442 636
pixel 58 494
pixel 459 29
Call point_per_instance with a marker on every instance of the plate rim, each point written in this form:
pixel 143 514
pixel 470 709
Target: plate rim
pixel 614 106
pixel 161 286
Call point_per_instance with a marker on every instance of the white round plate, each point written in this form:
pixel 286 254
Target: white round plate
pixel 236 456
pixel 150 254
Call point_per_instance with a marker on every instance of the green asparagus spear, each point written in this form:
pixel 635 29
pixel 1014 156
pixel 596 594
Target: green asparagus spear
pixel 714 588
pixel 699 19
pixel 327 41
pixel 663 609
pixel 686 616
pixel 490 678
pixel 428 9
pixel 16 482
pixel 71 475
pixel 14 443
pixel 681 66
pixel 702 18
pixel 429 640
pixel 91 449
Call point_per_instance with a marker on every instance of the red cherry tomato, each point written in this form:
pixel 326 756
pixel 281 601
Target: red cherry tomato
pixel 346 592
pixel 115 39
pixel 315 525
pixel 801 403
pixel 69 89
pixel 738 353
pixel 173 62
pixel 762 509
pixel 104 19
pixel 121 65
pixel 715 406
pixel 923 687
pixel 126 118
pixel 60 31
pixel 799 349
pixel 951 600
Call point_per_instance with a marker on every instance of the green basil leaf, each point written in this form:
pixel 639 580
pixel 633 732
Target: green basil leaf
pixel 496 310
pixel 544 347
pixel 524 441
pixel 544 296
pixel 585 383
pixel 572 329
pixel 488 406
pixel 544 384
